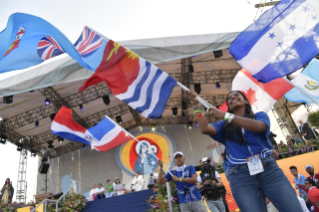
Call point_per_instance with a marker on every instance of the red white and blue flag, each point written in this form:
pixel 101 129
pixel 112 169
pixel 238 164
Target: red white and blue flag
pixel 103 136
pixel 140 84
pixel 88 43
pixel 48 48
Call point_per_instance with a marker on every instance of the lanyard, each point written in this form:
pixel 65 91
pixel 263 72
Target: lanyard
pixel 314 176
pixel 249 149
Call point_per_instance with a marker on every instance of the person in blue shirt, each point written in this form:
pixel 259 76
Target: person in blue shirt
pixel 185 178
pixel 249 165
pixel 298 179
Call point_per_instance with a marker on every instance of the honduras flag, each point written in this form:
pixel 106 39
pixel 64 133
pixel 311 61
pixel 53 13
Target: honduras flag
pixel 103 136
pixel 29 40
pixel 281 41
pixel 307 80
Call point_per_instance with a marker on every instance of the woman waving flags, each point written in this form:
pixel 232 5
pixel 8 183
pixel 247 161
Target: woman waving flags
pixel 249 166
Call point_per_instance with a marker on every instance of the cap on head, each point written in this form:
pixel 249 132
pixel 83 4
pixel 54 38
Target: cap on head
pixel 178 153
pixel 308 166
pixel 205 160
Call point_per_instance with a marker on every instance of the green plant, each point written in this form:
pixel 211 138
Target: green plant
pixel 74 203
pixel 11 207
pixel 313 119
pixel 159 201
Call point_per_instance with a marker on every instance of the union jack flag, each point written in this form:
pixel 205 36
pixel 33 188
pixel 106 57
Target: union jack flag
pixel 48 48
pixel 88 43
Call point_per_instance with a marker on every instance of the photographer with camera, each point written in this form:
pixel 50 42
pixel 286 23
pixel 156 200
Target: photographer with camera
pixel 210 186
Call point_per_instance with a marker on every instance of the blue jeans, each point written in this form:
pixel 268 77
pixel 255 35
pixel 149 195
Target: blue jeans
pixel 108 195
pixel 216 205
pixel 249 191
pixel 99 196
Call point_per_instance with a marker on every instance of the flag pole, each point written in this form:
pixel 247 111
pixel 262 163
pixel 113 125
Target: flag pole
pixel 138 141
pixel 198 98
pixel 302 91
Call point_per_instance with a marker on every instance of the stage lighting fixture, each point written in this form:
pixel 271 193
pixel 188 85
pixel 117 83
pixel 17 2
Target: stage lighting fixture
pixel 52 116
pixel 19 147
pixel 218 54
pixel 36 123
pixel 118 119
pixel 60 139
pixel 197 88
pixel 8 99
pixel 106 100
pixel 191 68
pixel 47 101
pixel 3 139
pixel 174 111
pixel 44 160
pixel 190 125
pixel 84 146
pixel 153 127
pixel 184 105
pixel 50 144
pixel 33 153
pixel 81 107
pixel 183 114
pixel 217 85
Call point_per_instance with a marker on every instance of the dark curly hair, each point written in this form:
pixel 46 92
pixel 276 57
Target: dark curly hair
pixel 230 128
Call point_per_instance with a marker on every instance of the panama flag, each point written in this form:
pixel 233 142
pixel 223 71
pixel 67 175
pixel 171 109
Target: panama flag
pixel 261 96
pixel 133 80
pixel 103 136
pixel 308 81
pixel 281 41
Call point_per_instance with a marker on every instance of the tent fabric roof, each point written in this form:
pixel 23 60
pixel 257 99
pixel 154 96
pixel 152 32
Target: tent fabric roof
pixel 60 80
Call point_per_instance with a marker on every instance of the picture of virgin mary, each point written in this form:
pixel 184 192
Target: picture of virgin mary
pixel 146 162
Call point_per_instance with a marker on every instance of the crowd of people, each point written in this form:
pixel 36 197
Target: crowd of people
pixel 117 188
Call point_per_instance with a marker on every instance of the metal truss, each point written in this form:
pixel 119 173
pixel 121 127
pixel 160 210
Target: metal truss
pixel 111 112
pixel 45 111
pixel 58 102
pixel 209 77
pixel 282 111
pixel 22 173
pixel 186 78
pixel 213 100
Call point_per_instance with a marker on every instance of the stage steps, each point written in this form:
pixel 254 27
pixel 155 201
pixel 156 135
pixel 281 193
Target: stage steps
pixel 132 202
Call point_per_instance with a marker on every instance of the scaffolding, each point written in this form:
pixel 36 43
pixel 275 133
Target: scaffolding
pixel 22 173
pixel 282 111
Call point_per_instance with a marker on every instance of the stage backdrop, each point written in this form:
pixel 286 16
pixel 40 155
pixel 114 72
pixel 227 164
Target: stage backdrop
pixel 91 167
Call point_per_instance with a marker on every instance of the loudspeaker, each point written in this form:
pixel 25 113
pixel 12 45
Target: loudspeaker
pixel 44 168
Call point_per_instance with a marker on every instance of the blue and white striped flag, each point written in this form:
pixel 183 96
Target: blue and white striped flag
pixel 281 41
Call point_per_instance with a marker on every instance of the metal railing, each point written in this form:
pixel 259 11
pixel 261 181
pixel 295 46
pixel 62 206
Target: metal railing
pixel 46 201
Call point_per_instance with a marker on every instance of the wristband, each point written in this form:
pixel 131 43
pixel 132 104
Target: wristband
pixel 180 179
pixel 199 115
pixel 226 116
pixel 231 117
pixel 161 170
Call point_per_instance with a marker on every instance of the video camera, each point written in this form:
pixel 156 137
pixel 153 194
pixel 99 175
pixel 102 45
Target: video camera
pixel 208 173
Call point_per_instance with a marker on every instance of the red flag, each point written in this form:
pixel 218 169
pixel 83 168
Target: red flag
pixel 119 68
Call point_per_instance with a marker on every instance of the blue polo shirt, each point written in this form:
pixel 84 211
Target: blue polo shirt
pixel 192 193
pixel 237 153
